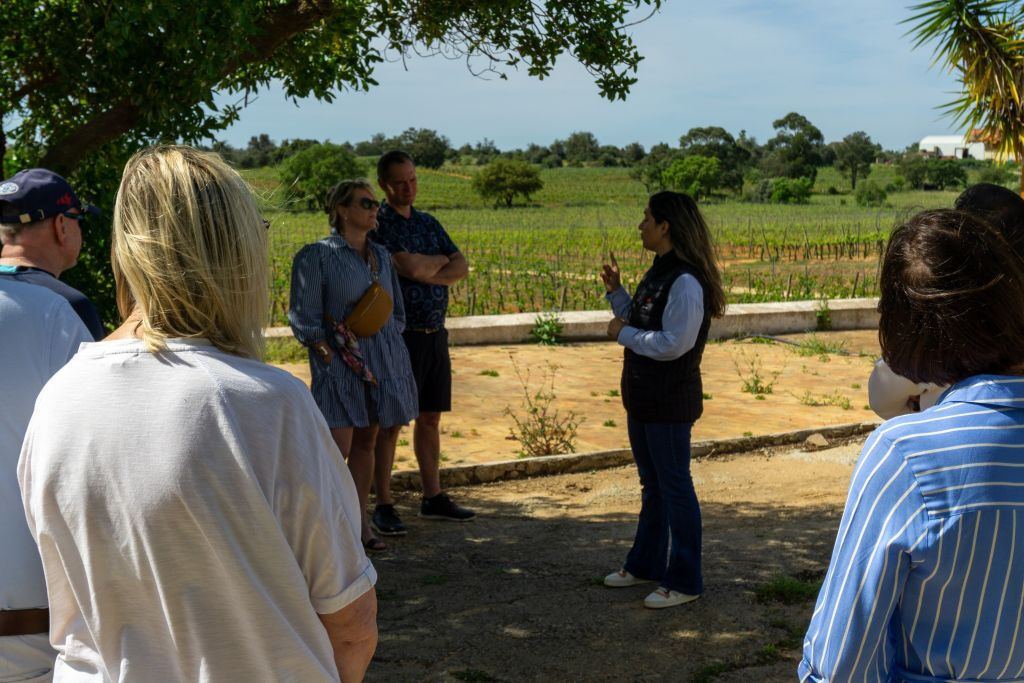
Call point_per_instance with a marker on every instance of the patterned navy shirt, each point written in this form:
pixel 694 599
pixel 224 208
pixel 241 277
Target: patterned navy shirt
pixel 420 233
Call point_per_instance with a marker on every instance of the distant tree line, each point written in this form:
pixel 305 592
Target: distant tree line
pixel 708 161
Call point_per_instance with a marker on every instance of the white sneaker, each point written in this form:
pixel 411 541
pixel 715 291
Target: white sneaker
pixel 622 579
pixel 663 597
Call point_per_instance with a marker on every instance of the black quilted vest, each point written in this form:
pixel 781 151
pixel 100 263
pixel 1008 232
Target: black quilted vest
pixel 658 390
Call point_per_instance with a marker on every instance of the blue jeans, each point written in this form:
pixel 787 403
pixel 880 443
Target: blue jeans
pixel 669 509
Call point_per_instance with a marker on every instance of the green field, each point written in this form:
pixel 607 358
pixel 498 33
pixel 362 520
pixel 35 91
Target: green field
pixel 546 255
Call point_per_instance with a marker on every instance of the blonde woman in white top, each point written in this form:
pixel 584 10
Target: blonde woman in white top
pixel 193 514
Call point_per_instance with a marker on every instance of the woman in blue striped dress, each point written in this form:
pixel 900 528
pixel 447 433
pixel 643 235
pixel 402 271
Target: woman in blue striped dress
pixel 926 577
pixel 366 383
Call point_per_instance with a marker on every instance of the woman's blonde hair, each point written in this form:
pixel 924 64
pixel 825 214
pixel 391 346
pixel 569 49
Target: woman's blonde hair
pixel 189 251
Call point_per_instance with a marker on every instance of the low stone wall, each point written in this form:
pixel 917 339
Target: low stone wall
pixel 466 475
pixel 740 319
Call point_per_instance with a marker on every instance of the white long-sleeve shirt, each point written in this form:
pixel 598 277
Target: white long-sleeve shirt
pixel 684 312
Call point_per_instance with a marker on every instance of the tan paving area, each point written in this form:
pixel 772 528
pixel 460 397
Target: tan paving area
pixel 586 381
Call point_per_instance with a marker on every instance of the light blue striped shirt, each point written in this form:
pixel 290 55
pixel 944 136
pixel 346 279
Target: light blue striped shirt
pixel 926 581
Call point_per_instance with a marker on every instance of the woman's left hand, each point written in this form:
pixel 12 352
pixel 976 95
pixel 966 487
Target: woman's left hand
pixel 615 326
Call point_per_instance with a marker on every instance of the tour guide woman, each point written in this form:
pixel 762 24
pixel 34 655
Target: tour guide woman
pixel 664 328
pixel 359 382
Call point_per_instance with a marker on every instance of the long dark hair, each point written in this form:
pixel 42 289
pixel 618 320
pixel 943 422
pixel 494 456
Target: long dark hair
pixel 691 242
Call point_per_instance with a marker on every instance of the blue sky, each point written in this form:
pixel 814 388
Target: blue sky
pixel 739 64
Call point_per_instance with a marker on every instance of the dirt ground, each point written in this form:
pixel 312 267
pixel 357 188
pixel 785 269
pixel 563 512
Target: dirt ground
pixel 806 391
pixel 516 594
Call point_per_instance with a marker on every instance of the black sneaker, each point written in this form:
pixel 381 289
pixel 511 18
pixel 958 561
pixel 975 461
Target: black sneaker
pixel 386 522
pixel 442 508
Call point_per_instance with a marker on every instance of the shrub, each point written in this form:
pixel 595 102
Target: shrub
pixel 870 193
pixel 791 190
pixel 547 329
pixel 542 430
pixel 309 174
pixel 997 174
pixel 503 179
pixel 695 175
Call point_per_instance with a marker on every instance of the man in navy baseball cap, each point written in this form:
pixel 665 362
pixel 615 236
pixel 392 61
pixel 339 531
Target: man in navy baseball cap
pixel 41 230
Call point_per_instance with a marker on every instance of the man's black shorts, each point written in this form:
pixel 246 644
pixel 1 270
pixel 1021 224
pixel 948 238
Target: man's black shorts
pixel 432 368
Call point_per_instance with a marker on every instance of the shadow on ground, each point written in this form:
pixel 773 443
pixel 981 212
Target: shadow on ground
pixel 516 595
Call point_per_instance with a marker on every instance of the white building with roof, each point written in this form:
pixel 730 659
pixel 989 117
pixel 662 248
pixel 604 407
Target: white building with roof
pixel 952 147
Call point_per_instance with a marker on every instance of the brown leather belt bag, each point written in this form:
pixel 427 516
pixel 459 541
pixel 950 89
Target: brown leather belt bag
pixel 24 622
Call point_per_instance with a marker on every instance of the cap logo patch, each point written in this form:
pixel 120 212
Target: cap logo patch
pixel 65 200
pixel 8 188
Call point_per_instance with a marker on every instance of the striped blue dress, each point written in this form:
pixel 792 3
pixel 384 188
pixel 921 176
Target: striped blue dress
pixel 926 581
pixel 328 279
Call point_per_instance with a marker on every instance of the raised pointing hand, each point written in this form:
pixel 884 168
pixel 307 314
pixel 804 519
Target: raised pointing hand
pixel 610 274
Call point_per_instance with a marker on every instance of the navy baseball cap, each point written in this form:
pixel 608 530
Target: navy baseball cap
pixel 35 194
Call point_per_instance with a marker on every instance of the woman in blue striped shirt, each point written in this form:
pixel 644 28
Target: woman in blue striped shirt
pixel 359 383
pixel 925 582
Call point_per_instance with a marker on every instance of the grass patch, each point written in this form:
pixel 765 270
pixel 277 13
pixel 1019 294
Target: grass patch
pixel 814 345
pixel 608 423
pixel 706 396
pixel 285 350
pixel 834 399
pixel 789 590
pixel 489 373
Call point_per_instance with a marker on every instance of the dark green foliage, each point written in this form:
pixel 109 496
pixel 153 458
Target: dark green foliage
pixel 933 174
pixel 870 193
pixel 997 174
pixel 145 71
pixel 717 143
pixel 581 147
pixel 504 179
pixel 944 173
pixel 697 176
pixel 650 171
pixel 783 190
pixel 854 156
pixel 796 149
pixel 425 146
pixel 309 174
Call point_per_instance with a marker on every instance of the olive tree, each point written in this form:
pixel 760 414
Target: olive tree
pixel 504 179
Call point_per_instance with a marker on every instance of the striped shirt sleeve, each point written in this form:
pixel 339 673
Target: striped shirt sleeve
pixel 306 300
pixel 885 520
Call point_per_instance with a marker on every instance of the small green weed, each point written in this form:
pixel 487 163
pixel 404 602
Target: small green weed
pixel 706 396
pixel 748 433
pixel 753 378
pixel 608 423
pixel 547 329
pixel 823 315
pixel 403 442
pixel 817 346
pixel 489 373
pixel 855 385
pixel 613 392
pixel 456 434
pixel 834 399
